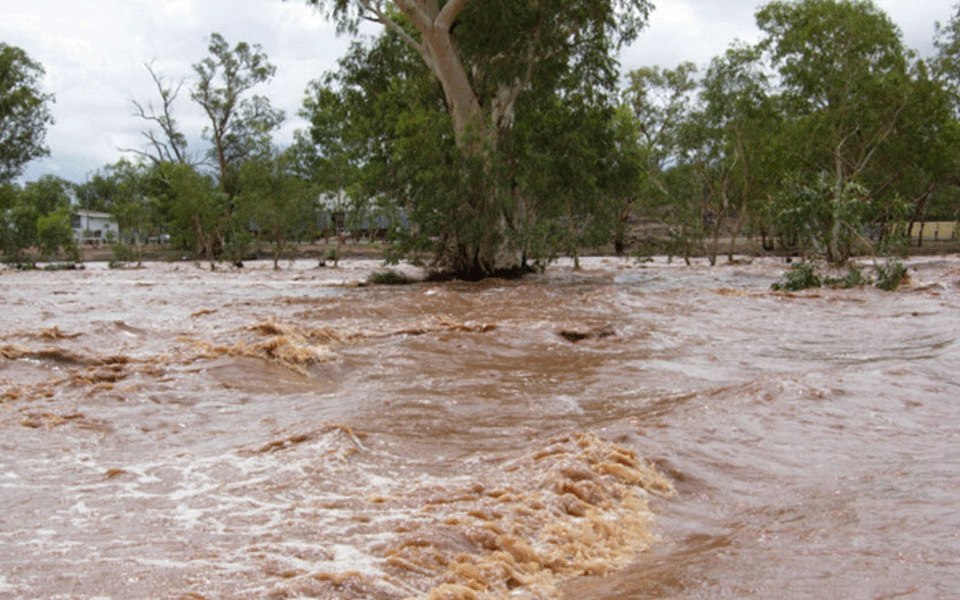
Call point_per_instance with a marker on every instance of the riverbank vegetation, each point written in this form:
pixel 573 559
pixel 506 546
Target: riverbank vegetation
pixel 485 154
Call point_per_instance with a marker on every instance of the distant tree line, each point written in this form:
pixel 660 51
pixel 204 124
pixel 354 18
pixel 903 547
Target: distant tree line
pixel 825 135
pixel 493 137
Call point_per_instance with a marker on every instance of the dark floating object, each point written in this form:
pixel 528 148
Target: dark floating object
pixel 597 333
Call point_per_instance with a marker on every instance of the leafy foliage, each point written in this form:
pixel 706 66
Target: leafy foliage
pixel 826 136
pixel 819 218
pixel 210 214
pixel 492 135
pixel 390 277
pixel 54 233
pixel 24 112
pixel 192 205
pixel 947 62
pixel 121 189
pixel 847 93
pixel 801 276
pixel 891 275
pixel 38 216
pixel 274 203
pixel 805 275
pixel 556 183
pixel 662 102
pixel 239 125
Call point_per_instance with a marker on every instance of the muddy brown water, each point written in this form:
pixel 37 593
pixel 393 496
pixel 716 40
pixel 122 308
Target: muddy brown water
pixel 629 431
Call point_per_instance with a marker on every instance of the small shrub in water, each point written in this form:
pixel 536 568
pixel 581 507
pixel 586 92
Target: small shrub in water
pixel 801 276
pixel 63 267
pixel 389 277
pixel 891 275
pixel 854 278
pixel 123 253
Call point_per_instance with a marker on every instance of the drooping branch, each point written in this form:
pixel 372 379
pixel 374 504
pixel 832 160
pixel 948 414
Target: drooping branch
pixel 381 18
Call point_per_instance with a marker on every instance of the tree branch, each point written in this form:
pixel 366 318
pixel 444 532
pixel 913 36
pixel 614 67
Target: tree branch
pixel 174 147
pixel 449 13
pixel 507 106
pixel 880 137
pixel 380 17
pixel 142 153
pixel 413 10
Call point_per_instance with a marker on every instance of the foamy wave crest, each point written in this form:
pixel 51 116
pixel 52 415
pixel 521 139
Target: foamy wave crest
pixel 577 506
pixel 288 346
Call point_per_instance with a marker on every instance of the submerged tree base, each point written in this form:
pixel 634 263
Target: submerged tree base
pixel 478 274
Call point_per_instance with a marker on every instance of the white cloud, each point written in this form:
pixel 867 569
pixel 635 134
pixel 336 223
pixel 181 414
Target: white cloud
pixel 182 9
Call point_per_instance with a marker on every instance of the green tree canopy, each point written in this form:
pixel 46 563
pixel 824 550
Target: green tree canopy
pixel 276 203
pixel 663 101
pixel 39 216
pixel 239 125
pixel 843 69
pixel 847 92
pixel 121 190
pixel 192 206
pixel 24 111
pixel 947 61
pixel 563 172
pixel 818 135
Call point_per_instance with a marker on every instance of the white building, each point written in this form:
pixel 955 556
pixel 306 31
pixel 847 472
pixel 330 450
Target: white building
pixel 94 228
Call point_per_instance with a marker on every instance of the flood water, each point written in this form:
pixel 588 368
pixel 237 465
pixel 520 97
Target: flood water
pixel 629 431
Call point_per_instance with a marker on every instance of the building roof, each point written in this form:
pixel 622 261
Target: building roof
pixel 93 213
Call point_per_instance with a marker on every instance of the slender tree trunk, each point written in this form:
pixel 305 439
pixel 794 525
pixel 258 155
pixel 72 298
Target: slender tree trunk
pixel 735 234
pixel 336 225
pixel 920 216
pixel 203 249
pixel 620 238
pixel 715 246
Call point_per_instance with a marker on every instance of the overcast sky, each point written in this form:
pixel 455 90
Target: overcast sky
pixel 94 54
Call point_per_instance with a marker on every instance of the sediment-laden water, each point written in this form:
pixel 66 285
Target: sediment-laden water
pixel 628 431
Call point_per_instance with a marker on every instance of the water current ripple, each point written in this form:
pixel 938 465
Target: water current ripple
pixel 634 430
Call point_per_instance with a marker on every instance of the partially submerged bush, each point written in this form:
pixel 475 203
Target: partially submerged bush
pixel 891 275
pixel 63 267
pixel 390 277
pixel 853 278
pixel 801 276
pixel 123 255
pixel 804 275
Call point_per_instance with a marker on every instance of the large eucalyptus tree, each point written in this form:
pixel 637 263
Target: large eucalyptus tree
pixel 489 59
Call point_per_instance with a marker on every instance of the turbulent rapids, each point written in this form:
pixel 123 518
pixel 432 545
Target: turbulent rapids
pixel 627 431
